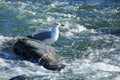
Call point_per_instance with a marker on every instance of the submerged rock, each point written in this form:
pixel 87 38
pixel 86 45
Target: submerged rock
pixel 110 30
pixel 36 51
pixel 21 77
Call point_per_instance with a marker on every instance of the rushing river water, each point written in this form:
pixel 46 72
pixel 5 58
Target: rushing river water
pixel 89 44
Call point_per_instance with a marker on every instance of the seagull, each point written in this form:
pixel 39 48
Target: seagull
pixel 47 37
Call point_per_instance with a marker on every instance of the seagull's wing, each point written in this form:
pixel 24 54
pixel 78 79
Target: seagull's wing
pixel 42 35
pixel 39 31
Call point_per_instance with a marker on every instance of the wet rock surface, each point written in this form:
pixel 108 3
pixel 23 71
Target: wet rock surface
pixel 36 51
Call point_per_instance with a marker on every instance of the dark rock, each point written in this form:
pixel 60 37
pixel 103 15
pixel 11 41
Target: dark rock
pixel 21 77
pixel 36 51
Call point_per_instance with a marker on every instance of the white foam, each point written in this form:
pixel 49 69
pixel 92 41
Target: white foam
pixel 53 5
pixel 98 76
pixel 105 67
pixel 58 3
pixel 71 30
pixel 50 19
pixel 4 39
pixel 67 25
pixel 78 28
pixel 117 78
pixel 3 63
pixel 68 34
pixel 86 66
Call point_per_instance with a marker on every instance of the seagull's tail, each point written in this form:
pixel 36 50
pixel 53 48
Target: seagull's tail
pixel 29 36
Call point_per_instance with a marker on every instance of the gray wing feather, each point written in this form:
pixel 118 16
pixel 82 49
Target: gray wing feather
pixel 42 35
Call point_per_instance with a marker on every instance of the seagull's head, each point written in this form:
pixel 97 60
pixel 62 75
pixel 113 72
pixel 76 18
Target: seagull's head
pixel 57 24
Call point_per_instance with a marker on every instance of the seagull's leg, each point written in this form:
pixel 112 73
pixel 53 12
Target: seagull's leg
pixel 46 49
pixel 50 49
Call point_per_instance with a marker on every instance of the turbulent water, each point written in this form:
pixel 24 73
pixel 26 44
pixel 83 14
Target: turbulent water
pixel 89 43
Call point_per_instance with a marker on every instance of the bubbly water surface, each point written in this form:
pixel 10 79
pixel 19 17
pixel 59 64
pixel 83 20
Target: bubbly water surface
pixel 89 44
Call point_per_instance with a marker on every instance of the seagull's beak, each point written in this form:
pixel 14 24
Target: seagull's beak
pixel 62 24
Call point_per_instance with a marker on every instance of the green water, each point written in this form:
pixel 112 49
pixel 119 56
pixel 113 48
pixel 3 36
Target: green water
pixel 89 44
